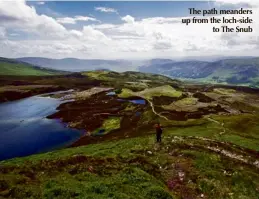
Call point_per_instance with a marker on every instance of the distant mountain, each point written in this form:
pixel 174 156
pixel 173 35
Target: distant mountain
pixel 76 65
pixel 240 71
pixel 175 69
pixel 160 61
pixel 102 69
pixel 19 68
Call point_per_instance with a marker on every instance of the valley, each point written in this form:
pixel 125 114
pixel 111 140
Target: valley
pixel 241 71
pixel 232 71
pixel 209 141
pixel 129 99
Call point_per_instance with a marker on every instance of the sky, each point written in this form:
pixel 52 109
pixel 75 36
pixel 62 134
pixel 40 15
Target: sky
pixel 120 30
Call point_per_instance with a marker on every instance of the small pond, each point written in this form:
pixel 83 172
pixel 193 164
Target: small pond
pixel 136 101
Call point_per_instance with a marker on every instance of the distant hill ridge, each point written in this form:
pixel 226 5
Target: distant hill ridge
pixel 77 65
pixel 234 70
pixel 243 71
pixel 18 68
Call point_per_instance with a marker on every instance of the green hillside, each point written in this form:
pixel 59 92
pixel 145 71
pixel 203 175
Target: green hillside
pixel 136 168
pixel 15 68
pixel 236 71
pixel 209 148
pixel 132 80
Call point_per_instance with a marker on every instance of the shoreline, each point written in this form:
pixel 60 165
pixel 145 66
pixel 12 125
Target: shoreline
pixel 96 109
pixel 10 93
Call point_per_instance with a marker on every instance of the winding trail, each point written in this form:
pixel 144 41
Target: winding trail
pixel 153 109
pixel 217 122
pixel 152 106
pixel 240 156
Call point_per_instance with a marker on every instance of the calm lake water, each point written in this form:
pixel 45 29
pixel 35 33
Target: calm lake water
pixel 24 129
pixel 111 93
pixel 137 101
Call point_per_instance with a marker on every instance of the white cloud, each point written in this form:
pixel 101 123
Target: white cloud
pixel 162 45
pixel 70 20
pixel 41 3
pixel 105 9
pixel 128 19
pixel 104 26
pixel 14 34
pixel 162 20
pixel 145 38
pixel 25 18
pixel 236 2
pixel 66 20
pixel 76 33
pixel 91 34
pixel 2 33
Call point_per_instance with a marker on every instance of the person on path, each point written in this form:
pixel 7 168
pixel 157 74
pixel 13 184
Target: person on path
pixel 158 132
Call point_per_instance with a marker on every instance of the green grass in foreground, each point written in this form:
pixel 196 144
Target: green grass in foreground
pixel 137 168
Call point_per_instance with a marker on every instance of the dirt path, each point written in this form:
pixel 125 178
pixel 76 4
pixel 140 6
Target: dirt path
pixel 153 109
pixel 217 122
pixel 223 148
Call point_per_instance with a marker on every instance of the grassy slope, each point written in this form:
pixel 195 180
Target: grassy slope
pixel 224 73
pixel 132 80
pixel 181 167
pixel 125 76
pixel 151 92
pixel 112 123
pixel 9 67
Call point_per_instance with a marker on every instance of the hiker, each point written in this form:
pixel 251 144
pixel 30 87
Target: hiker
pixel 158 132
